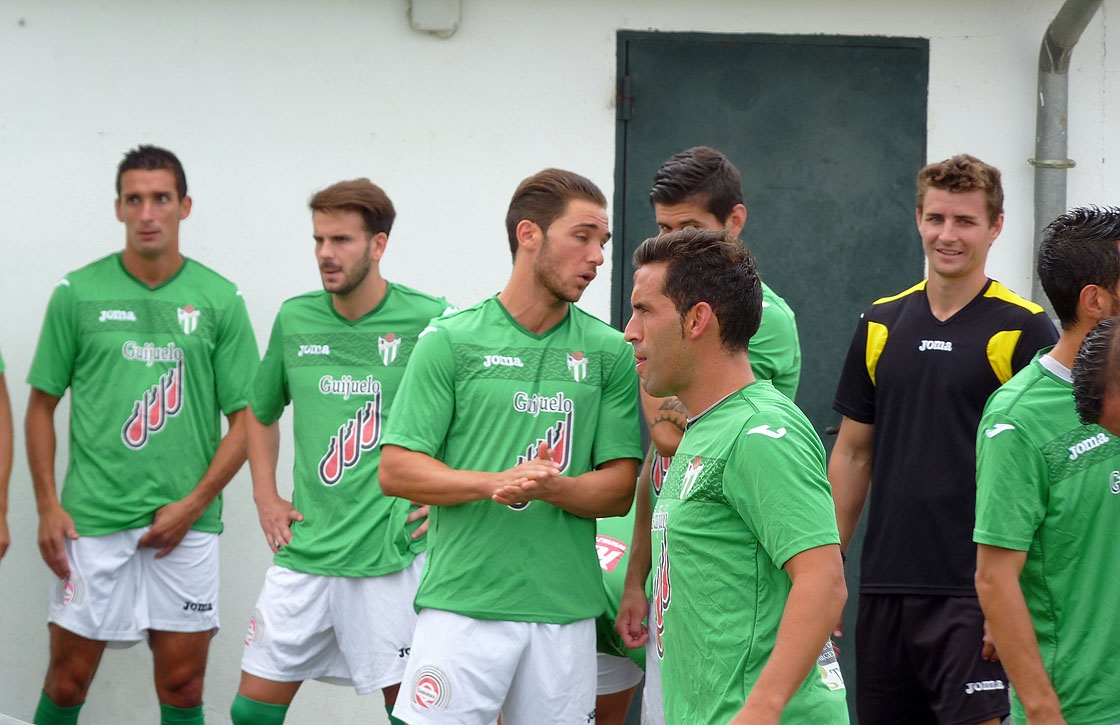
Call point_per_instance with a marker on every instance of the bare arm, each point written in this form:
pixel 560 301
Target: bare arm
pixel 634 606
pixel 666 419
pixel 1001 598
pixel 421 478
pixel 815 601
pixel 55 525
pixel 606 491
pixel 276 514
pixel 172 521
pixel 849 472
pixel 5 463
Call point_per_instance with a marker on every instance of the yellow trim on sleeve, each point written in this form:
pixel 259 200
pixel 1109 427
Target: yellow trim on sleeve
pixel 876 341
pixel 1001 347
pixel 916 288
pixel 997 290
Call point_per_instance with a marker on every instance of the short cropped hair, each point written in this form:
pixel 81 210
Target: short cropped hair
pixel 152 158
pixel 699 174
pixel 1078 249
pixel 960 174
pixel 712 267
pixel 361 196
pixel 1096 370
pixel 543 197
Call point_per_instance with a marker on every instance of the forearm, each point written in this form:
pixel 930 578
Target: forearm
pixel 40 436
pixel 263 453
pixel 849 473
pixel 421 478
pixel 640 561
pixel 5 445
pixel 815 601
pixel 1009 619
pixel 606 491
pixel 227 461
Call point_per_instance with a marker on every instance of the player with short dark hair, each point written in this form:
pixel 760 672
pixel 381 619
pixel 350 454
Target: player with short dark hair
pixel 749 578
pixel 529 432
pixel 921 365
pixel 1047 509
pixel 1096 376
pixel 337 602
pixel 153 346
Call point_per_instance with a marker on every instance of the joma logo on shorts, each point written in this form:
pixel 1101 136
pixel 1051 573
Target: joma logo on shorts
pixel 936 345
pixel 1087 445
pixel 198 607
pixel 983 686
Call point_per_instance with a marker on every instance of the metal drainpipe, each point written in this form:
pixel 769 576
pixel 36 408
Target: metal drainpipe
pixel 1050 148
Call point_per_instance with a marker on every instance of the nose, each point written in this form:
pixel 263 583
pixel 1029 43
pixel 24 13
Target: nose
pixel 631 331
pixel 597 255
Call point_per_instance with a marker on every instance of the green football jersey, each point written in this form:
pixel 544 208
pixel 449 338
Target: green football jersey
pixel 492 392
pixel 341 377
pixel 775 350
pixel 612 543
pixel 746 492
pixel 1049 486
pixel 149 371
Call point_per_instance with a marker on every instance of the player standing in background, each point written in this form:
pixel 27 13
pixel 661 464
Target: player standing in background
pixel 1047 503
pixel 920 367
pixel 530 431
pixel 620 668
pixel 1096 376
pixel 337 602
pixel 5 459
pixel 153 346
pixel 697 188
pixel 749 579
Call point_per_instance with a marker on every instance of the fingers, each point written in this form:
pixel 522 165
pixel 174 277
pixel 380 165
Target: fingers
pixel 420 530
pixel 417 514
pixel 838 630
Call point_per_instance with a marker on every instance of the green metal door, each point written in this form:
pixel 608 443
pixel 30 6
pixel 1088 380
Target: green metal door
pixel 829 133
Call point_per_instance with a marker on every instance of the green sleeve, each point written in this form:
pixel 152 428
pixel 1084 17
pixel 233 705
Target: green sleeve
pixel 235 356
pixel 618 431
pixel 775 350
pixel 270 392
pixel 53 365
pixel 779 488
pixel 1011 485
pixel 428 385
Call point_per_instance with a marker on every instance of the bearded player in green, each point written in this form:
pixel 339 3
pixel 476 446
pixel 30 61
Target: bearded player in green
pixel 529 431
pixel 337 603
pixel 153 346
pixel 749 579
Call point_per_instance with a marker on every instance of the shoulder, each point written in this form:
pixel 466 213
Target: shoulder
pixel 588 324
pixel 415 298
pixel 93 273
pixel 893 305
pixel 468 319
pixel 197 273
pixel 773 303
pixel 312 300
pixel 1004 297
pixel 1021 393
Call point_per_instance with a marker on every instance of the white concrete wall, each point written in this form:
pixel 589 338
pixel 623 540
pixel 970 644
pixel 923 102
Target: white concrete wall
pixel 267 101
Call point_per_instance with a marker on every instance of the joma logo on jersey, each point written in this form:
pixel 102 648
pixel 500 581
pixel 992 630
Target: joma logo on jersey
pixel 149 354
pixel 610 551
pixel 344 450
pixel 347 386
pixel 936 345
pixel 691 474
pixel 1087 445
pixel 188 318
pixel 117 316
pixel 658 470
pixel 663 595
pixel 577 363
pixel 506 360
pixel 313 350
pixel 388 347
pixel 158 403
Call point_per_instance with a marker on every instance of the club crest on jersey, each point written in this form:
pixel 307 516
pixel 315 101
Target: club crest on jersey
pixel 150 413
pixel 695 466
pixel 388 347
pixel 610 551
pixel 188 318
pixel 577 363
pixel 360 433
pixel 658 470
pixel 430 689
pixel 662 596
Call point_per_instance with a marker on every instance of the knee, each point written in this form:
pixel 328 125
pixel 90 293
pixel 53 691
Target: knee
pixel 181 685
pixel 68 681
